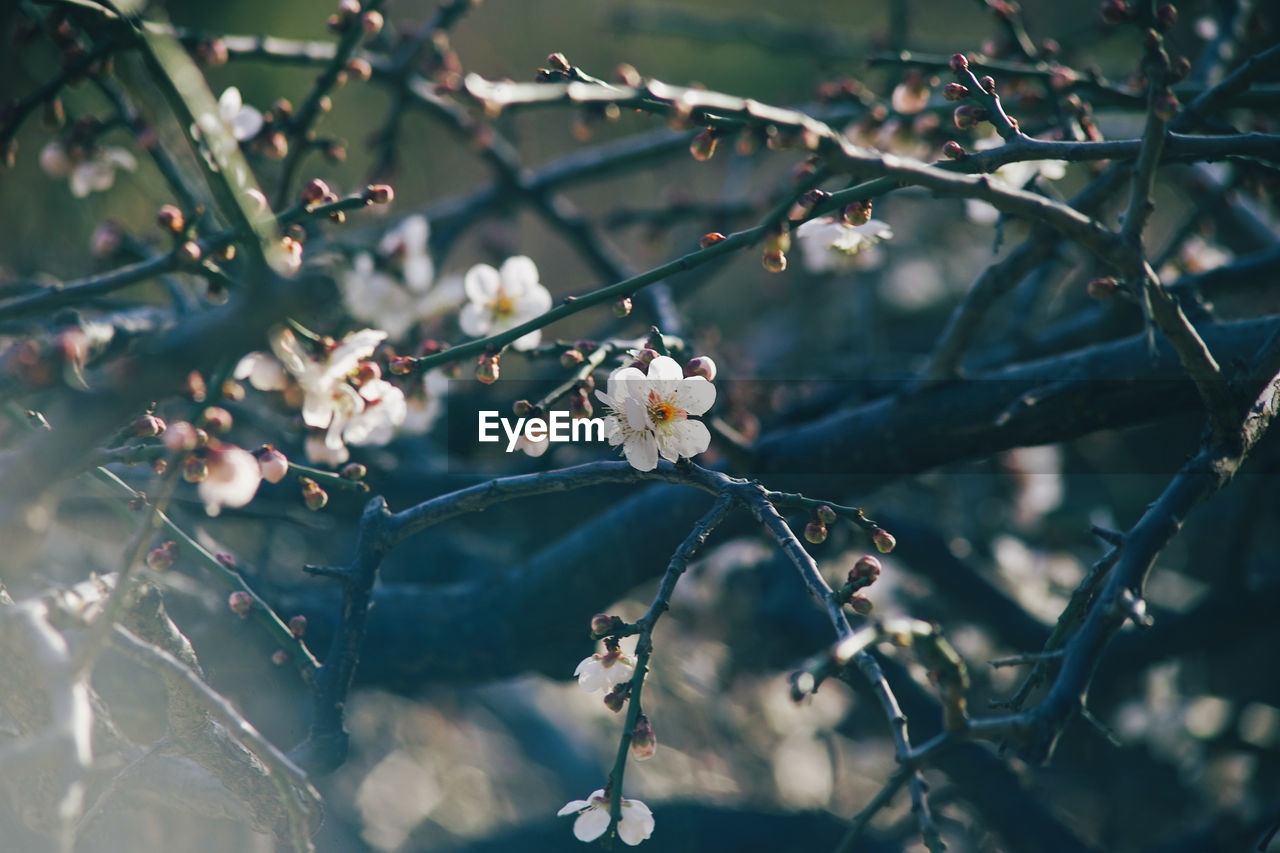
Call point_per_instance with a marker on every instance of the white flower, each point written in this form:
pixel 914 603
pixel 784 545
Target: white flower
pixel 533 448
pixel 503 299
pixel 635 825
pixel 372 296
pixel 232 479
pixel 329 401
pixel 384 409
pixel 94 171
pixel 242 120
pixel 1014 175
pixel 831 246
pixel 604 669
pixel 649 414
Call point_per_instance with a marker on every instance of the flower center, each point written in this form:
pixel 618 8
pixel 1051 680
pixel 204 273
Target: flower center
pixel 502 305
pixel 662 411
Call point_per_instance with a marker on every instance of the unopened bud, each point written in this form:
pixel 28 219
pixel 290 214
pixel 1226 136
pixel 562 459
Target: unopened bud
pixel 964 117
pixel 313 496
pixel 216 420
pixel 825 514
pixel 616 698
pixel 180 436
pixel 162 557
pixel 865 571
pixel 954 150
pixel 622 307
pixel 379 194
pixel 580 404
pixel 170 218
pixel 857 213
pixel 644 743
pixel 1166 105
pixel 703 146
pixel 298 626
pixel 959 62
pixel 1115 11
pixel 1179 69
pixel 815 532
pixel 774 261
pixel 711 239
pixel 602 624
pixel 189 253
pixel 701 366
pixel 227 559
pixel 988 84
pixel 1166 17
pixel 194 469
pixel 360 68
pixel 955 92
pixel 644 357
pixel 861 605
pixel 521 408
pixel 778 240
pixel 354 471
pixel 240 603
pixel 372 22
pixel 883 540
pixel 571 358
pixel 315 192
pixel 147 426
pixel 400 365
pixel 487 369
pixel 279 657
pixel 273 464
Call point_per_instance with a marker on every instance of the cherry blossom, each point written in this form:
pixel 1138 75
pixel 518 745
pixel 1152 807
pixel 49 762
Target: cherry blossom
pixel 649 413
pixel 244 121
pixel 88 171
pixel 232 480
pixel 501 299
pixel 604 669
pixel 831 246
pixel 635 825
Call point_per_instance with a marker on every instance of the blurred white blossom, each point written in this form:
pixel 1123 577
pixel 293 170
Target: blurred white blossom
pixel 604 669
pixel 831 246
pixel 87 171
pixel 232 479
pixel 502 299
pixel 1014 175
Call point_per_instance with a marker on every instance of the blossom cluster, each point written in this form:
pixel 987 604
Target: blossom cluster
pixel 650 409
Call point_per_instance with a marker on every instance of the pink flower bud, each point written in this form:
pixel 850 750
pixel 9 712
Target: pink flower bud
pixel 710 239
pixel 240 603
pixel 147 426
pixel 372 22
pixel 701 366
pixel 1102 288
pixel 865 571
pixel 703 146
pixel 194 470
pixel 955 92
pixel 616 698
pixel 279 657
pixel 825 514
pixel 162 557
pixel 580 404
pixel 571 358
pixel 400 365
pixel 273 464
pixel 298 626
pixel 858 213
pixel 1166 17
pixel 315 192
pixel 861 605
pixel 959 62
pixel 622 307
pixel 954 150
pixel 170 218
pixel 1115 11
pixel 216 420
pixel 379 194
pixel 353 471
pixel 815 533
pixel 644 357
pixel 644 742
pixel 774 261
pixel 602 623
pixel 487 369
pixel 313 496
pixel 883 540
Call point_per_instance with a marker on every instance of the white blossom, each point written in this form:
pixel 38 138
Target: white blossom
pixel 232 480
pixel 1014 175
pixel 242 120
pixel 384 409
pixel 604 669
pixel 88 172
pixel 406 244
pixel 831 246
pixel 502 299
pixel 634 826
pixel 649 413
pixel 263 372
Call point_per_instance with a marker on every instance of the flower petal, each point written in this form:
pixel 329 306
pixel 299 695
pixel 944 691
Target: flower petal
pixel 519 275
pixel 246 124
pixel 535 300
pixel 695 395
pixel 529 341
pixel 591 824
pixel 641 450
pixel 572 806
pixel 636 824
pixel 475 320
pixel 482 283
pixel 687 438
pixel 229 104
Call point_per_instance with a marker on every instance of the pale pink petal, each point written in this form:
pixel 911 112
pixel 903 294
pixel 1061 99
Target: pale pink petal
pixel 591 824
pixel 482 283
